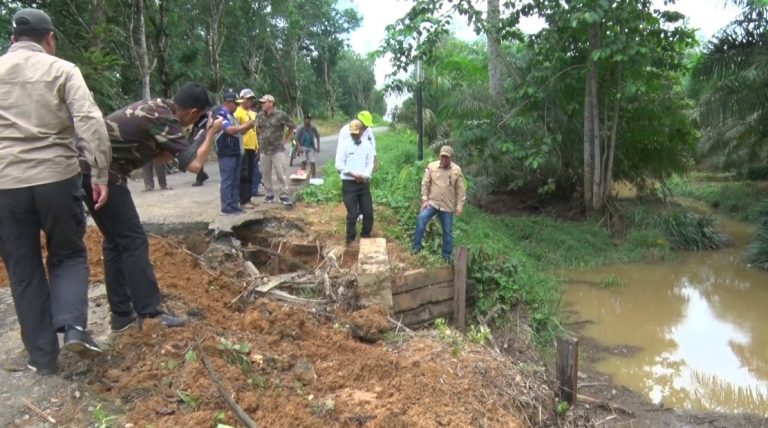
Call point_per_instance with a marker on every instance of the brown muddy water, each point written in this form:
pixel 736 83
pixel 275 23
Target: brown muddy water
pixel 698 325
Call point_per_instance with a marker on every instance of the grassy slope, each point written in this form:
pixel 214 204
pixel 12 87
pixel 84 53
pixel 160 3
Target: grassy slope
pixel 512 258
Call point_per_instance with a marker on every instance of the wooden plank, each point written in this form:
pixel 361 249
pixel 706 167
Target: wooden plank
pixel 433 293
pixel 421 277
pixel 460 288
pixel 567 368
pixel 426 313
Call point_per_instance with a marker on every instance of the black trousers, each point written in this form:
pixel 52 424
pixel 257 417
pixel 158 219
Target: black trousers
pixel 357 200
pixel 246 176
pixel 45 304
pixel 128 273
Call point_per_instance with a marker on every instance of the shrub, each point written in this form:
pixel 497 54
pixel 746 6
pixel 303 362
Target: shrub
pixel 757 251
pixel 689 231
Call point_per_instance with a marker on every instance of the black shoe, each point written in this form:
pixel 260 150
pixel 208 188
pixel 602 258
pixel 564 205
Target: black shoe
pixel 197 184
pixel 44 371
pixel 269 199
pixel 120 324
pixel 80 342
pixel 165 319
pixel 285 200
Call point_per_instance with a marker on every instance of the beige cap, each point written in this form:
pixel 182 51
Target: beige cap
pixel 266 98
pixel 446 151
pixel 355 127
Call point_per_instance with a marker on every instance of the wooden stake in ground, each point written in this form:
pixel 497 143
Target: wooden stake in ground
pixel 37 410
pixel 460 288
pixel 567 368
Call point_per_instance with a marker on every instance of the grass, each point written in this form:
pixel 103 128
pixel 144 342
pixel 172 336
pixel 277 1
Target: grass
pixel 327 126
pixel 757 251
pixel 512 259
pixel 739 200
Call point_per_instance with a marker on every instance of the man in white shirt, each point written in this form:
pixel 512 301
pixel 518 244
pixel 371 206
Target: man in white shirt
pixel 354 161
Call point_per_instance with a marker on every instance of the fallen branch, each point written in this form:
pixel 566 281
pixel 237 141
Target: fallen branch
pixel 236 409
pixel 254 248
pixel 285 297
pixel 37 410
pixel 604 404
pixel 400 325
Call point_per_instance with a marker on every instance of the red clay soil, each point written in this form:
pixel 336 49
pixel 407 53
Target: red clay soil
pixel 300 368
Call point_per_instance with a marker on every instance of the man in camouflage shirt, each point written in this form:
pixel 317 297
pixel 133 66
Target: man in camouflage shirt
pixel 272 124
pixel 149 130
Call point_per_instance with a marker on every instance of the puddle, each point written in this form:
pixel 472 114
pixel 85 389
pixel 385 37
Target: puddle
pixel 698 324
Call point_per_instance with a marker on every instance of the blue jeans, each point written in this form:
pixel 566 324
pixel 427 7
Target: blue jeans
pixel 229 169
pixel 256 173
pixel 446 222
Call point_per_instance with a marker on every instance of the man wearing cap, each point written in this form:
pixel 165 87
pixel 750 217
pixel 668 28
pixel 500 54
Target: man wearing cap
pixel 40 189
pixel 354 161
pixel 309 142
pixel 366 119
pixel 442 194
pixel 274 128
pixel 148 130
pixel 229 149
pixel 243 114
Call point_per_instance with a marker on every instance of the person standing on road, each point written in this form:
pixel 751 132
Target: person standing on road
pixel 243 114
pixel 354 161
pixel 229 149
pixel 148 130
pixel 148 171
pixel 46 103
pixel 309 142
pixel 442 194
pixel 275 128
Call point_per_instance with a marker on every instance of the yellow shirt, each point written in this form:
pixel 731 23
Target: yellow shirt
pixel 250 139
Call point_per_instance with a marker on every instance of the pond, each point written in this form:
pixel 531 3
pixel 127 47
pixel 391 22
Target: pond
pixel 695 327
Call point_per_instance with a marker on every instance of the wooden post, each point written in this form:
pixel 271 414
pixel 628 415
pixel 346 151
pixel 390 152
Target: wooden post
pixel 567 368
pixel 460 288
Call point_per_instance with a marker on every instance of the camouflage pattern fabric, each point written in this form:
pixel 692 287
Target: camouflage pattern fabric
pixel 272 130
pixel 140 132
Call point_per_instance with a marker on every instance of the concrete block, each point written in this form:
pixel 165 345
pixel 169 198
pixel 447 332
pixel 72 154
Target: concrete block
pixel 373 274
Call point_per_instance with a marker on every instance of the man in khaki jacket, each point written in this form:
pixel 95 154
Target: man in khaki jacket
pixel 442 194
pixel 46 103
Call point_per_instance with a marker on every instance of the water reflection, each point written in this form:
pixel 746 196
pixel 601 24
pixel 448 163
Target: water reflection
pixel 699 324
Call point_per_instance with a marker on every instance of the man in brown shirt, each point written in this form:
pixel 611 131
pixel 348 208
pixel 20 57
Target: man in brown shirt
pixel 442 194
pixel 272 125
pixel 45 104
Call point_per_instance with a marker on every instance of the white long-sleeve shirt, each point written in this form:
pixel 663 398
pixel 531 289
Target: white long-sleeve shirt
pixel 354 158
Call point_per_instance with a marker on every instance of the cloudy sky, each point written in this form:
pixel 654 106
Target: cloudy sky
pixel 707 16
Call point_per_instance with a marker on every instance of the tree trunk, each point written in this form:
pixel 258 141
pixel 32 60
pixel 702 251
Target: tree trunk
pixel 97 19
pixel 330 93
pixel 215 41
pixel 142 53
pixel 495 66
pixel 592 160
pixel 614 133
pixel 162 42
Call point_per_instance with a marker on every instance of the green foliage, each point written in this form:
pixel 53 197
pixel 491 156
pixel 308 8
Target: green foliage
pixel 190 356
pixel 188 398
pixel 689 231
pixel 757 251
pixel 101 418
pixel 478 334
pixel 737 199
pixel 236 353
pixel 561 408
pixel 450 337
pixel 611 281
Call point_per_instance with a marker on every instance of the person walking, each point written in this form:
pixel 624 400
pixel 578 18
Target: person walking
pixel 274 128
pixel 229 149
pixel 145 131
pixel 442 194
pixel 46 103
pixel 354 161
pixel 148 171
pixel 309 142
pixel 244 114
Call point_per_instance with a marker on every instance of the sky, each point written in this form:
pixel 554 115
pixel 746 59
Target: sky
pixel 708 16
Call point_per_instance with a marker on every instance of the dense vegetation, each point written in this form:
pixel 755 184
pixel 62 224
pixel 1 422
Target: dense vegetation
pixel 293 49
